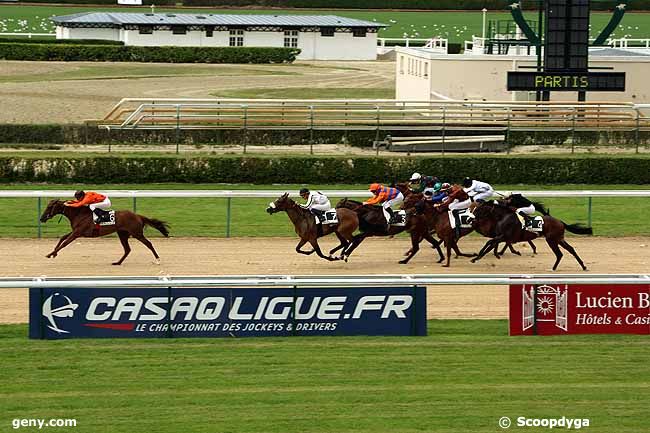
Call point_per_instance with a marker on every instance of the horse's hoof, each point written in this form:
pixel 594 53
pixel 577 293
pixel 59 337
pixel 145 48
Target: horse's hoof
pixel 402 262
pixel 156 261
pixel 473 260
pixel 497 256
pixel 116 263
pixel 516 253
pixel 440 261
pixel 445 266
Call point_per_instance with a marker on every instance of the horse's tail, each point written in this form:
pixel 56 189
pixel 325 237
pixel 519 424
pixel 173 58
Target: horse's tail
pixel 541 208
pixel 578 229
pixel 161 226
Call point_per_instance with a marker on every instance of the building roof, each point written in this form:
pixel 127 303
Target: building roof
pixel 117 19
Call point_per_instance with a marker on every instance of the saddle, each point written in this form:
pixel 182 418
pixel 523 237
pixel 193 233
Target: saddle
pixel 466 219
pixel 103 218
pixel 534 225
pixel 327 218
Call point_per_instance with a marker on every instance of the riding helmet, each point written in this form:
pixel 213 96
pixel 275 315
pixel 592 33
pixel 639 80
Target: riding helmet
pixel 79 194
pixel 304 191
pixel 416 177
pixel 467 182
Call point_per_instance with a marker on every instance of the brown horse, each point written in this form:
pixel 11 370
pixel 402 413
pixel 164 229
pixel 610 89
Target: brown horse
pixel 304 223
pixel 127 224
pixel 508 229
pixel 373 223
pixel 438 221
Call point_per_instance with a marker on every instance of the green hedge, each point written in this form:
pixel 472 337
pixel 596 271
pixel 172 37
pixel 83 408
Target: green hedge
pixel 399 4
pixel 113 53
pixel 263 170
pixel 105 2
pixel 59 41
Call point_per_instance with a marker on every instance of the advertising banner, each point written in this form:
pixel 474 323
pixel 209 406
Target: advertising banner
pixel 57 313
pixel 579 309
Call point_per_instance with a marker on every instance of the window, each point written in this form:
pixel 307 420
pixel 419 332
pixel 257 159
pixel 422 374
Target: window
pixel 291 38
pixel 359 33
pixel 209 31
pixel 327 32
pixel 145 30
pixel 401 65
pixel 236 38
pixel 179 30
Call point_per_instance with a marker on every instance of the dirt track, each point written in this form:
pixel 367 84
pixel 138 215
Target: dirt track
pixel 25 257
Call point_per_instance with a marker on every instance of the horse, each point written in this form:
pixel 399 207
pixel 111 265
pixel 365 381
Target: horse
pixel 127 224
pixel 308 230
pixel 508 229
pixel 373 223
pixel 436 220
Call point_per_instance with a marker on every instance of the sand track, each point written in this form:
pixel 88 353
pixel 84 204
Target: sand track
pixel 203 256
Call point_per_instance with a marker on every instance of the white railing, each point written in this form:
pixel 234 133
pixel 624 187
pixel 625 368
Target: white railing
pixel 624 43
pixel 320 280
pixel 30 35
pixel 392 42
pixel 276 193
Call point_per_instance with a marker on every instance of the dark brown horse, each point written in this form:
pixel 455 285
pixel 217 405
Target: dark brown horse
pixel 127 224
pixel 508 229
pixel 373 223
pixel 304 223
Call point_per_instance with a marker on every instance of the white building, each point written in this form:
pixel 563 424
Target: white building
pixel 319 37
pixel 426 75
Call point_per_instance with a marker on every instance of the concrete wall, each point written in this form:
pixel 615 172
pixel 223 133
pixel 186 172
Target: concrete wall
pixel 484 77
pixel 81 33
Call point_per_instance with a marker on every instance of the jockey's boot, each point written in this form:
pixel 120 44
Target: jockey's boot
pixel 527 220
pixel 456 214
pixel 391 213
pixel 319 214
pixel 100 215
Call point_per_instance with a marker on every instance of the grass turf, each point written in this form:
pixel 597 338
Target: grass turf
pixel 207 217
pixel 307 93
pixel 457 26
pixel 463 377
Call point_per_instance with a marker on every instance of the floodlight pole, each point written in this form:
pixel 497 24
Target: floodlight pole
pixel 540 32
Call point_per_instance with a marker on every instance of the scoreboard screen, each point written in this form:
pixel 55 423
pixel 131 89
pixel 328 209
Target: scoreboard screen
pixel 567 81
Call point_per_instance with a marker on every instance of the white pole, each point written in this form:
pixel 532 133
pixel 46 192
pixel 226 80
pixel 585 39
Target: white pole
pixel 484 21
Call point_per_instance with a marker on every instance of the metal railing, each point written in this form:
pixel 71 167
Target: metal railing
pixel 377 115
pixel 39 195
pixel 320 280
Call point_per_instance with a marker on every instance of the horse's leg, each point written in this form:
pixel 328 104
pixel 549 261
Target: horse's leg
pixel 148 244
pixel 556 250
pixel 71 237
pixel 314 244
pixel 533 247
pixel 448 245
pixel 491 243
pixel 344 243
pixel 57 245
pixel 564 244
pixel 124 239
pixel 299 246
pixel 461 254
pixel 415 247
pixel 435 244
pixel 356 241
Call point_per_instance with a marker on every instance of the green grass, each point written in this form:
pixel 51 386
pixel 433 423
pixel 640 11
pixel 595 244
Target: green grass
pixel 456 26
pixel 307 93
pixel 135 71
pixel 461 378
pixel 207 216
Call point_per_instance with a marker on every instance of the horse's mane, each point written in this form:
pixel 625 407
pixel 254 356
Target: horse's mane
pixel 355 202
pixel 541 208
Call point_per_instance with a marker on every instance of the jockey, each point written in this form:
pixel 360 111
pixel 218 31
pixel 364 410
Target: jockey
pixel 455 202
pixel 438 193
pixel 95 201
pixel 415 183
pixel 388 197
pixel 317 202
pixel 522 206
pixel 478 191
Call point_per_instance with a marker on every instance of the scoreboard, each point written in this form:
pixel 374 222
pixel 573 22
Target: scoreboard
pixel 567 82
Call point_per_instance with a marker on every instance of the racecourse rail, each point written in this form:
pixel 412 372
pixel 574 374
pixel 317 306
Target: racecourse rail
pixel 376 115
pixel 319 280
pixel 39 195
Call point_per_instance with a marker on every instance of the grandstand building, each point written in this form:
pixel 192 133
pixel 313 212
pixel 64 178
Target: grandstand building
pixel 319 37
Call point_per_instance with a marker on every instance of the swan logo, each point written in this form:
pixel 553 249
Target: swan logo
pixel 65 308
